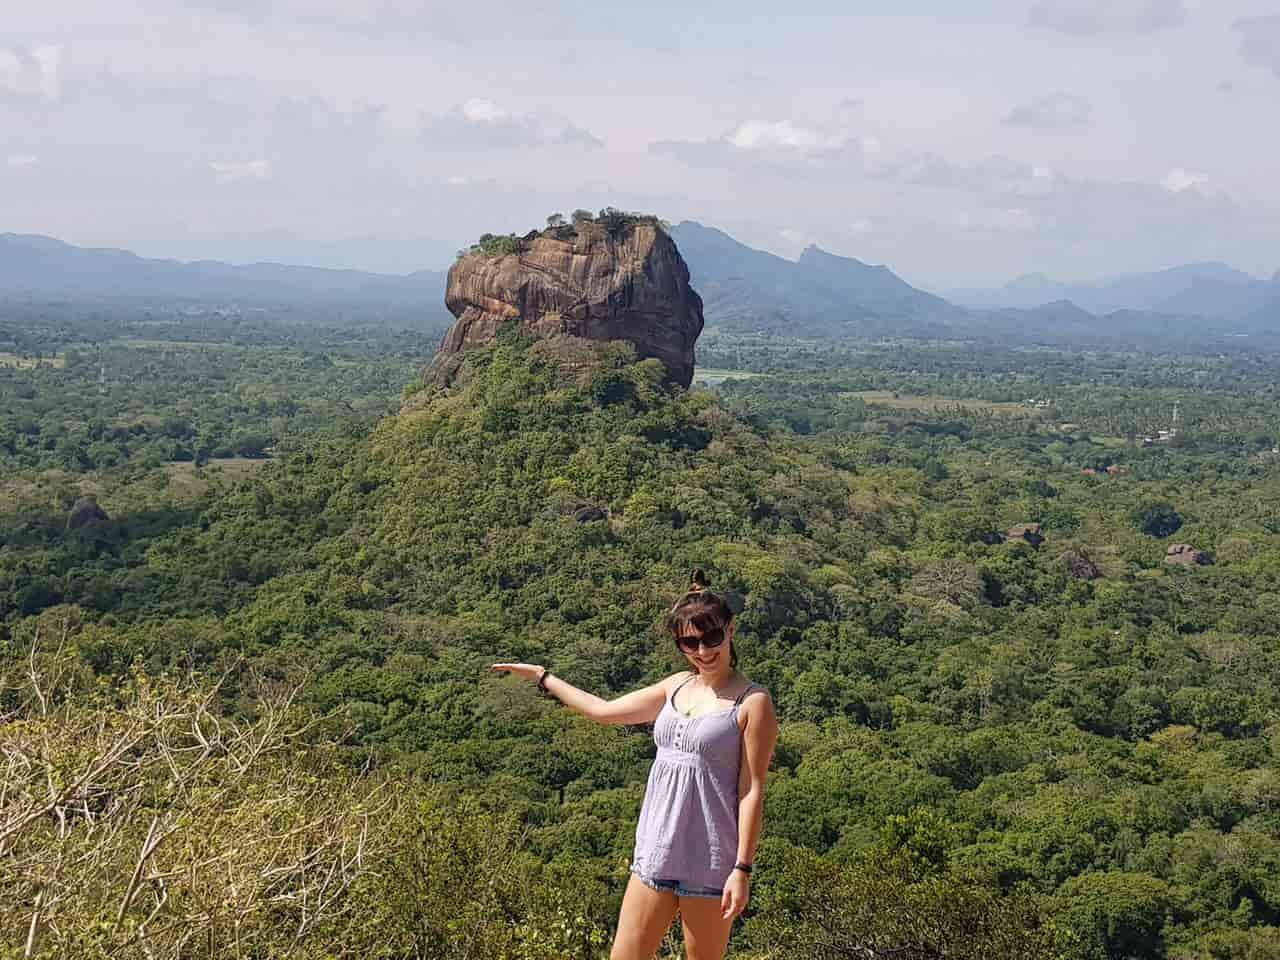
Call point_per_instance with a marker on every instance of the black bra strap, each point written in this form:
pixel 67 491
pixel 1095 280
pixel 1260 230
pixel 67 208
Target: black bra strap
pixel 672 698
pixel 743 694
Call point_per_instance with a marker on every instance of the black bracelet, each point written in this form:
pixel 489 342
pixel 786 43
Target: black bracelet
pixel 542 680
pixel 744 867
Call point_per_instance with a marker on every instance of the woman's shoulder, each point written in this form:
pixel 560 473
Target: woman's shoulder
pixel 670 683
pixel 755 691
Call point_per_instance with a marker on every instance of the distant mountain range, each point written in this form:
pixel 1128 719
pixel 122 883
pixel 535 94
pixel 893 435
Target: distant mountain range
pixel 820 292
pixel 36 264
pixel 1213 290
pixel 743 289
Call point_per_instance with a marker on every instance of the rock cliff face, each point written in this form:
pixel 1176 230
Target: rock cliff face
pixel 585 281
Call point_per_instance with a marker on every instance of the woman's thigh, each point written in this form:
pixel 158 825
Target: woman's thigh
pixel 645 919
pixel 706 932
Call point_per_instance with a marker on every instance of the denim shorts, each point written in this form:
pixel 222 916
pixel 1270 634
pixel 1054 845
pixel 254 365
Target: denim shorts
pixel 676 887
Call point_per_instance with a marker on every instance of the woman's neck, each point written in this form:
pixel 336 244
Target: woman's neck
pixel 718 680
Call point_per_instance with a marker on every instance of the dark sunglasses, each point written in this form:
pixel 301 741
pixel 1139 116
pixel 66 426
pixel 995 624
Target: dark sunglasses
pixel 711 639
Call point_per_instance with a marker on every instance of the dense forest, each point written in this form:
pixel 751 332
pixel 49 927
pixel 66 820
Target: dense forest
pixel 1021 642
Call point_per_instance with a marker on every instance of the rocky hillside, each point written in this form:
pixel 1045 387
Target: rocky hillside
pixel 607 279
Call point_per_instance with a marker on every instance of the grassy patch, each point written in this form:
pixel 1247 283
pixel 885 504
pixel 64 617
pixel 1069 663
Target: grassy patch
pixel 712 376
pixel 935 404
pixel 188 481
pixel 30 363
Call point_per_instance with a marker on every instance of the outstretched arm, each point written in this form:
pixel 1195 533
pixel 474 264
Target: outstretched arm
pixel 638 706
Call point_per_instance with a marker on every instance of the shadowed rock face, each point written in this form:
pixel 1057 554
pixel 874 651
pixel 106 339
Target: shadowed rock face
pixel 86 512
pixel 632 286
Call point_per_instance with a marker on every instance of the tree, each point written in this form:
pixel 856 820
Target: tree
pixel 1157 518
pixel 555 220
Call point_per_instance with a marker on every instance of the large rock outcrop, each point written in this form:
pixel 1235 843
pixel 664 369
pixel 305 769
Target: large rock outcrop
pixel 629 283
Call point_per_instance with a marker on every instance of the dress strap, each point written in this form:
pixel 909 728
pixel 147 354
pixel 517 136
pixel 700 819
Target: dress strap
pixel 743 694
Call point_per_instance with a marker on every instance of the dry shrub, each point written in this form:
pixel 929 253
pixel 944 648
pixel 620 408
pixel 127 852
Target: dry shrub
pixel 136 821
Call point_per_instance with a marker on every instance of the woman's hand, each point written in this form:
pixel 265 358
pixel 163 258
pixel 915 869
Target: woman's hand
pixel 737 891
pixel 529 671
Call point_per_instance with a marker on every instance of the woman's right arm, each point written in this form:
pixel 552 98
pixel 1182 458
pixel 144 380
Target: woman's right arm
pixel 638 706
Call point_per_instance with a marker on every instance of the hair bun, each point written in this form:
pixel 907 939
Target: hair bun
pixel 698 580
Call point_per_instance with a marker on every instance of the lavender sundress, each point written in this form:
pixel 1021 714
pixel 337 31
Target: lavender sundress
pixel 688 827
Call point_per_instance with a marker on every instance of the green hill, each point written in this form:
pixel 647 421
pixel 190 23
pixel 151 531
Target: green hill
pixel 984 753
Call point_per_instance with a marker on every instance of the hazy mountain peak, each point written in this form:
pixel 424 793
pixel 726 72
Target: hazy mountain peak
pixel 1067 306
pixel 815 254
pixel 1211 270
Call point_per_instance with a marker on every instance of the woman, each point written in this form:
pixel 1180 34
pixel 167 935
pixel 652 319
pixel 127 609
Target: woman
pixel 704 802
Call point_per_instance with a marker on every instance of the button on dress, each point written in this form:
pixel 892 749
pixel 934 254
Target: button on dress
pixel 688 827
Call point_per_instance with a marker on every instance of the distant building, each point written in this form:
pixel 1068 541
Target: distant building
pixel 1185 555
pixel 1031 533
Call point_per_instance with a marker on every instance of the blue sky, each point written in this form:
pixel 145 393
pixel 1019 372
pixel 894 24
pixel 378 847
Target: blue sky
pixel 961 144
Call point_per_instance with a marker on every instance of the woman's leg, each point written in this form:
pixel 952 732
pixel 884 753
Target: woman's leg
pixel 706 932
pixel 645 919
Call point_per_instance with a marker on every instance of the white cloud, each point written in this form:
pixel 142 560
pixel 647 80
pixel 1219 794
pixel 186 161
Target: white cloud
pixel 1177 180
pixel 780 146
pixel 767 135
pixel 1085 18
pixel 30 74
pixel 862 226
pixel 479 110
pixel 233 171
pixel 20 160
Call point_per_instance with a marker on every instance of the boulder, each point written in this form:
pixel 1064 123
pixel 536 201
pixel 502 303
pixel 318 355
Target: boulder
pixel 86 512
pixel 1080 566
pixel 1184 554
pixel 594 280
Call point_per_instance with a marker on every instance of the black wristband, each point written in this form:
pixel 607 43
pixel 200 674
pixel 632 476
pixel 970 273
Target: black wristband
pixel 542 680
pixel 744 867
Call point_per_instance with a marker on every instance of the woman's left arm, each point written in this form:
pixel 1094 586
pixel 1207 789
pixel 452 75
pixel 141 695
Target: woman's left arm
pixel 758 740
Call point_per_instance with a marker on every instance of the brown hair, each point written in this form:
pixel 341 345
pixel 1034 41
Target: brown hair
pixel 703 610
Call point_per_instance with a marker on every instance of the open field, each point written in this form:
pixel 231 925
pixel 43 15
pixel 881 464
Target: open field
pixel 184 477
pixel 712 376
pixel 887 398
pixel 171 344
pixel 30 363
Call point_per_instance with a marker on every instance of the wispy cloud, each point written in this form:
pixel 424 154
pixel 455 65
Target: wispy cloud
pixel 236 171
pixel 778 145
pixel 30 74
pixel 480 123
pixel 1178 180
pixel 1260 41
pixel 1086 18
pixel 1056 111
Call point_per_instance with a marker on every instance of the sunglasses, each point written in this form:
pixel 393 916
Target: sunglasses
pixel 711 639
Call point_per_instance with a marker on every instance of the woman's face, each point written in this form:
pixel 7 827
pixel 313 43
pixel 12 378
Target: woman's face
pixel 707 659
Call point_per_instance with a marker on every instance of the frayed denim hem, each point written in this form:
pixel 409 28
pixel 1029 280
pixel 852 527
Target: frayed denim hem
pixel 674 886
